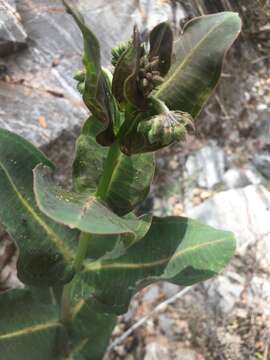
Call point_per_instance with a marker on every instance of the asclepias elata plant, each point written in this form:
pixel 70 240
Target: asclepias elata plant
pixel 84 253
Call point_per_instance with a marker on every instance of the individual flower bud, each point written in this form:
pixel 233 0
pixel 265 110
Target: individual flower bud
pixel 80 75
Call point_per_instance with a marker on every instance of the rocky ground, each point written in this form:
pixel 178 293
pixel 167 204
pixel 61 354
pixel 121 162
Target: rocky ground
pixel 220 175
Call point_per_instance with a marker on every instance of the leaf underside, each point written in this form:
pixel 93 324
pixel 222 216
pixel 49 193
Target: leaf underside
pixel 80 210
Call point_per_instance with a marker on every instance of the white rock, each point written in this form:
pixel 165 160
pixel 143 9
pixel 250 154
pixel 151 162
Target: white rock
pixel 245 212
pixel 238 178
pixel 207 166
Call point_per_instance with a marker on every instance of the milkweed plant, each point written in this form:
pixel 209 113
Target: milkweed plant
pixel 84 253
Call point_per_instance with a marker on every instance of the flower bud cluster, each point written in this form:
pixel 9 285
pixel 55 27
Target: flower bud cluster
pixel 149 76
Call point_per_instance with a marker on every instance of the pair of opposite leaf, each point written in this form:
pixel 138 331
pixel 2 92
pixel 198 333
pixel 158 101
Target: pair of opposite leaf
pixel 147 124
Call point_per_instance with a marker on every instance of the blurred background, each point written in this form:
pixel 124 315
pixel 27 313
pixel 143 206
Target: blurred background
pixel 220 175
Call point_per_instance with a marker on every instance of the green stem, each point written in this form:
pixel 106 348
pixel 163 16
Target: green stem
pixel 109 166
pixel 78 262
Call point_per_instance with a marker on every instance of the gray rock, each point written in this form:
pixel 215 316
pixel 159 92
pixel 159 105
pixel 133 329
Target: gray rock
pixel 262 163
pixel 152 293
pixel 259 293
pixel 166 325
pixel 12 34
pixel 170 289
pixel 224 292
pixel 241 177
pixel 207 166
pixel 245 212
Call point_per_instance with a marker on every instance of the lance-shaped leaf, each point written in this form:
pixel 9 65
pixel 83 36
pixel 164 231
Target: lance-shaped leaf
pixel 81 210
pixel 131 179
pixel 96 91
pixel 46 248
pixel 199 56
pixel 28 328
pixel 161 45
pixel 175 249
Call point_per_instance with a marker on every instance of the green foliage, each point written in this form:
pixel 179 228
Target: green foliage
pixel 84 253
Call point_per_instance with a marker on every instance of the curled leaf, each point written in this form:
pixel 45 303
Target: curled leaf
pixel 94 87
pixel 161 45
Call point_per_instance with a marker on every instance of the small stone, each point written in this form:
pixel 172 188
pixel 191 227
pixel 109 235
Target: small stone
pixel 170 289
pixel 262 163
pixel 151 294
pixel 166 325
pixel 155 351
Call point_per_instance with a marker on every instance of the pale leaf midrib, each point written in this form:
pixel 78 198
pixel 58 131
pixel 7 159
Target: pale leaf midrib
pixel 186 59
pixel 53 236
pixel 30 330
pixel 99 266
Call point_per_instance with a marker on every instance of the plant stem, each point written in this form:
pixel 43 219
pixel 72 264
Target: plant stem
pixel 109 166
pixel 81 252
pixel 80 256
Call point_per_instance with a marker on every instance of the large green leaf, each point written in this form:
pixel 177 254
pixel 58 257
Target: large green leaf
pixel 46 248
pixel 81 210
pixel 91 328
pixel 199 56
pixel 97 92
pixel 175 249
pixel 28 328
pixel 131 178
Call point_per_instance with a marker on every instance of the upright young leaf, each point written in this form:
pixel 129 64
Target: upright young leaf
pixel 81 210
pixel 161 45
pixel 46 248
pixel 175 249
pixel 199 56
pixel 28 329
pixel 97 93
pixel 131 179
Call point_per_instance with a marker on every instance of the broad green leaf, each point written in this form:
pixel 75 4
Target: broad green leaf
pixel 46 248
pixel 96 91
pixel 161 44
pixel 131 180
pixel 175 249
pixel 28 329
pixel 91 328
pixel 81 210
pixel 199 56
